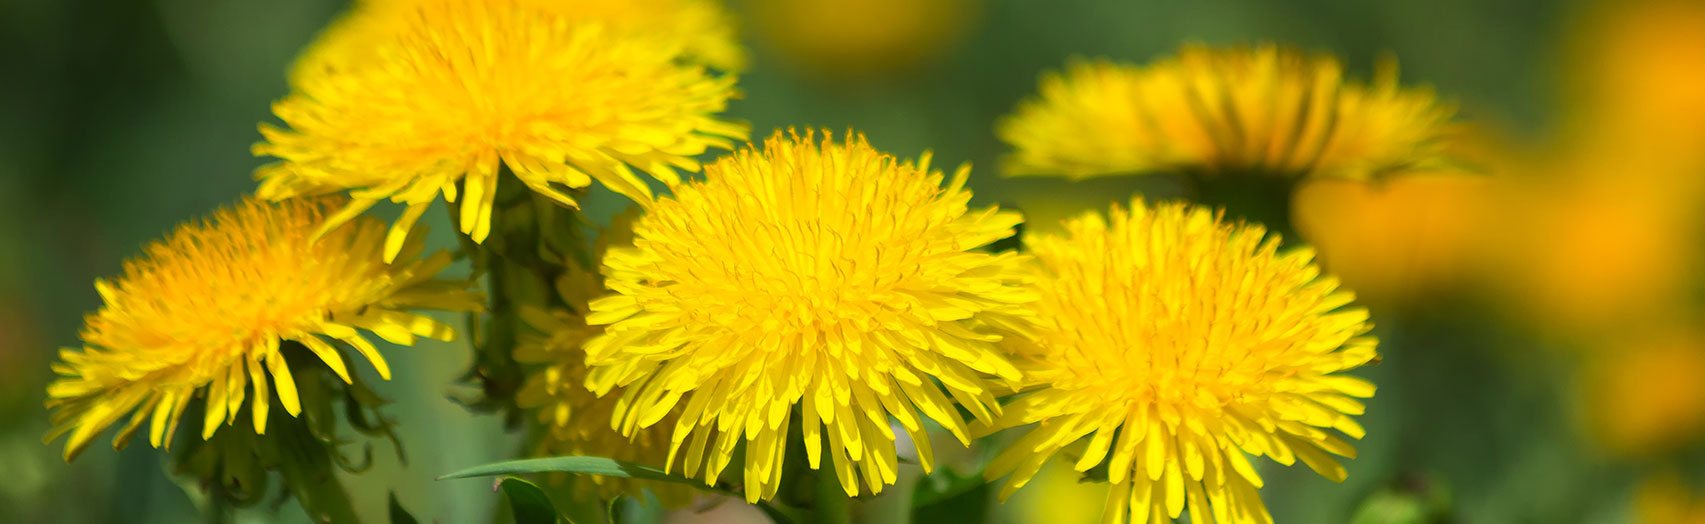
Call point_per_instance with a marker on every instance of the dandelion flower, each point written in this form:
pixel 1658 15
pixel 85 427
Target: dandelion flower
pixel 435 98
pixel 823 276
pixel 1263 109
pixel 1179 345
pixel 204 311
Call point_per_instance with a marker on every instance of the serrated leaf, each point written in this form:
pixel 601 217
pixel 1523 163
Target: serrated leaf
pixel 527 502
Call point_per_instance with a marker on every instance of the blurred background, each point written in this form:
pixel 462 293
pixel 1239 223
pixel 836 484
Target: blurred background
pixel 1544 359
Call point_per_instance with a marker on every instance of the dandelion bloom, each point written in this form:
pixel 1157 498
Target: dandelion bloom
pixel 435 98
pixel 820 275
pixel 1177 344
pixel 1263 109
pixel 204 312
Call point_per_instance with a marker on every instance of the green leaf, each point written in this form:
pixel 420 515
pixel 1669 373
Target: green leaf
pixel 398 514
pixel 529 503
pixel 580 465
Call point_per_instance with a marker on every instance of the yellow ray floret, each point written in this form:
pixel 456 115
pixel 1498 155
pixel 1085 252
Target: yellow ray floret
pixel 1264 109
pixel 434 96
pixel 1177 346
pixel 204 311
pixel 824 281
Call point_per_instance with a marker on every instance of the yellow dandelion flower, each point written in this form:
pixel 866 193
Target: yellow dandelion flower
pixel 440 95
pixel 1263 109
pixel 204 311
pixel 824 281
pixel 1178 345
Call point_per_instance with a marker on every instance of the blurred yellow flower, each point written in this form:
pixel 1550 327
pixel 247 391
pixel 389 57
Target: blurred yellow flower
pixel 704 30
pixel 824 276
pixel 1647 395
pixel 1665 499
pixel 1265 109
pixel 434 99
pixel 1638 76
pixel 1177 344
pixel 1593 255
pixel 204 311
pixel 843 40
pixel 1395 240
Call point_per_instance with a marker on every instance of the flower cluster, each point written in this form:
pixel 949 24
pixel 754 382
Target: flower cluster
pixel 810 292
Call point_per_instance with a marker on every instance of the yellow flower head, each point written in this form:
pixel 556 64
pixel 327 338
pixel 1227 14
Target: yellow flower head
pixel 576 421
pixel 435 94
pixel 204 312
pixel 1264 109
pixel 1176 345
pixel 826 277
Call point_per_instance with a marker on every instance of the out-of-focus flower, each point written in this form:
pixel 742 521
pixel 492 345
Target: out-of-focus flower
pixel 821 279
pixel 867 38
pixel 704 30
pixel 574 420
pixel 1665 499
pixel 1395 240
pixel 1177 344
pixel 204 311
pixel 1648 395
pixel 430 99
pixel 1264 110
pixel 1638 77
pixel 1590 255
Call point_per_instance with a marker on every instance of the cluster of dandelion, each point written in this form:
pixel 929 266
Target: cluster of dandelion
pixel 806 295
